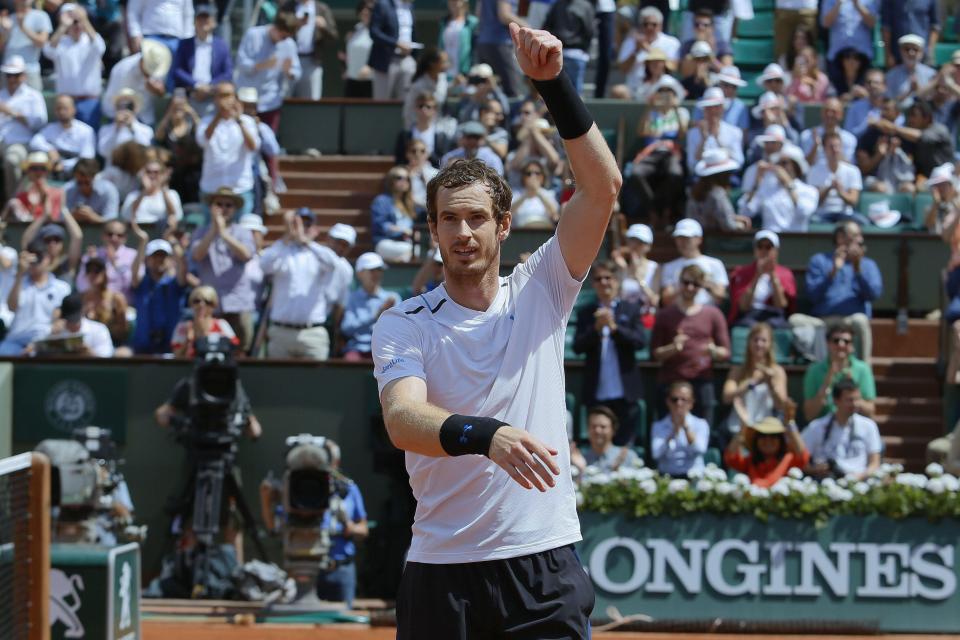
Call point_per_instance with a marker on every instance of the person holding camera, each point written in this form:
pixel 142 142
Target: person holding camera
pixel 125 126
pixel 230 140
pixel 76 50
pixel 842 286
pixel 844 442
pixel 34 299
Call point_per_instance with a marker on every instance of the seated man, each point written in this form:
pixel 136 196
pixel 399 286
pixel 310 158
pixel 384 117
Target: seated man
pixel 125 126
pixel 23 111
pixel 840 363
pixel 764 290
pixel 843 285
pixel 811 140
pixel 844 442
pixel 929 142
pixel 89 197
pixel 602 425
pixel 688 238
pixel 67 140
pixel 34 299
pixel 96 336
pixel 472 144
pixel 117 258
pixel 609 332
pixel 679 439
pixel 838 182
pixel 713 131
pixel 364 306
pixel 881 156
pixel 905 79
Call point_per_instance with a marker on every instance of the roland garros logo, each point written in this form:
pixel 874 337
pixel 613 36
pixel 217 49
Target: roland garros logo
pixel 69 404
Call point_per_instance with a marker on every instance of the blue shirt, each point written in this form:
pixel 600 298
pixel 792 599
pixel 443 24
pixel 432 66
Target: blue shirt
pixel 672 453
pixel 858 112
pixel 341 547
pixel 903 17
pixel 361 313
pixel 845 293
pixel 484 154
pixel 158 305
pixel 849 31
pixel 491 30
pixel 898 79
pixel 257 47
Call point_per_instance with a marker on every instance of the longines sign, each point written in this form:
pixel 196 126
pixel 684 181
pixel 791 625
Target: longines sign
pixel 886 574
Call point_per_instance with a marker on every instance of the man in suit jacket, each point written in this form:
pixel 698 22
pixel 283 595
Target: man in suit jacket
pixel 609 332
pixel 391 28
pixel 214 54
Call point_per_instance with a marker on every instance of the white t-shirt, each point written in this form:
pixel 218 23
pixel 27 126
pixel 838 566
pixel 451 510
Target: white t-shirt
pixel 96 337
pixel 152 208
pixel 665 42
pixel 848 445
pixel 849 177
pixel 18 44
pixel 305 33
pixel 670 274
pixel 7 276
pixel 35 307
pixel 504 363
pixel 532 210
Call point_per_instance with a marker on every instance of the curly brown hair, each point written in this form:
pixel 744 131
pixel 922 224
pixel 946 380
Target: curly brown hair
pixel 463 173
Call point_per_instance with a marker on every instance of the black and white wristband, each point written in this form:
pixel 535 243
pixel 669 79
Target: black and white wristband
pixel 464 435
pixel 565 105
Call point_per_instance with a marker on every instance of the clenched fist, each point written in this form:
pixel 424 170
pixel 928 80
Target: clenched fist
pixel 539 53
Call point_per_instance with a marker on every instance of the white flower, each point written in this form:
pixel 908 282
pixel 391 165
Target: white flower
pixel 677 485
pixel 715 473
pixel 645 474
pixel 861 488
pixel 704 486
pixel 838 494
pixel 936 486
pixel 912 480
pixel 741 480
pixel 649 486
pixel 724 488
pixel 579 499
pixel 696 474
pixel 796 473
pixel 950 482
pixel 828 483
pixel 759 492
pixel 933 470
pixel 591 470
pixel 781 488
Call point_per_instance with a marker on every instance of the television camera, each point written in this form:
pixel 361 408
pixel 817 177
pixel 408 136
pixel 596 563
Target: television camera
pixel 88 492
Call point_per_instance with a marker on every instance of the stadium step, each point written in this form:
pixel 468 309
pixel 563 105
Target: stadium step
pixel 325 199
pixel 905 367
pixel 928 427
pixel 911 449
pixel 901 386
pixel 922 339
pixel 365 182
pixel 913 409
pixel 336 164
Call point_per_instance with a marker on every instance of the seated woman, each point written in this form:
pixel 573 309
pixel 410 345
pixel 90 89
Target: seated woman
pixel 155 201
pixel 35 197
pixel 202 301
pixel 771 451
pixel 757 389
pixel 392 216
pixel 177 132
pixel 653 181
pixel 534 207
pixel 420 169
pixel 104 305
pixel 654 68
pixel 808 83
pixel 637 273
pixel 602 425
pixel 781 200
pixel 709 201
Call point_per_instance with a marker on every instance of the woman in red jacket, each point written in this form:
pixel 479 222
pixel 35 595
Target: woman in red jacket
pixel 771 450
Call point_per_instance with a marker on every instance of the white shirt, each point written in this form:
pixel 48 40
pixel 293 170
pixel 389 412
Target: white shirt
pixel 609 382
pixel 673 454
pixel 847 175
pixel 340 282
pixel 127 74
pixel 451 44
pixel 358 50
pixel 504 363
pixel 797 5
pixel 78 64
pixel 532 210
pixel 152 208
pixel 713 268
pixel 666 43
pixel 96 337
pixel 849 445
pixel 7 277
pixel 777 210
pixel 76 141
pixel 227 162
pixel 202 60
pixel 35 307
pixel 28 102
pixel 305 33
pixel 728 137
pixel 848 142
pixel 111 136
pixel 301 281
pixel 404 21
pixel 160 17
pixel 18 44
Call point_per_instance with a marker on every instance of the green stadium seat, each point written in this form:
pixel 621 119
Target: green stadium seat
pixel 921 202
pixel 944 50
pixel 753 90
pixel 949 33
pixel 782 345
pixel 763 5
pixel 902 202
pixel 713 455
pixel 753 54
pixel 568 352
pixel 812 115
pixel 610 135
pixel 760 27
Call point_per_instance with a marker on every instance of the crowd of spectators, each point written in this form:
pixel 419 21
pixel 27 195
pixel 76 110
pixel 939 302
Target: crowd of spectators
pixel 158 124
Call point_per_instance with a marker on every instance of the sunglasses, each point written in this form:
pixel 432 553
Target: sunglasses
pixel 125 106
pixel 842 342
pixel 225 204
pixel 764 246
pixel 703 23
pixel 602 278
pixel 533 173
pixel 419 151
pixel 53 239
pixel 226 94
pixel 205 301
pixel 95 269
pixel 115 234
pixel 399 178
pixel 678 400
pixel 649 24
pixel 428 107
pixel 690 283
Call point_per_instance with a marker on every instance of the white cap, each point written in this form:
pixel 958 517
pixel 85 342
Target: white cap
pixel 157 245
pixel 667 81
pixel 772 71
pixel 482 70
pixel 766 234
pixel 712 97
pixel 14 65
pixel 688 228
pixel 701 49
pixel 248 95
pixel 67 7
pixel 640 232
pixel 729 75
pixel 882 215
pixel 912 38
pixel 369 261
pixel 768 100
pixel 941 174
pixel 714 161
pixel 773 133
pixel 794 153
pixel 253 222
pixel 345 232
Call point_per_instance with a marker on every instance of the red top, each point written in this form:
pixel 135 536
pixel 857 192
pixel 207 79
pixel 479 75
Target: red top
pixel 740 281
pixel 36 208
pixel 769 471
pixel 181 335
pixel 701 328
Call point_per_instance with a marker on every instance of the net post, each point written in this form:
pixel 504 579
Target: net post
pixel 39 528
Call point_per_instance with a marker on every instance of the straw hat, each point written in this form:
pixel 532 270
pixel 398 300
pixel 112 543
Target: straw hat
pixel 769 426
pixel 156 58
pixel 128 95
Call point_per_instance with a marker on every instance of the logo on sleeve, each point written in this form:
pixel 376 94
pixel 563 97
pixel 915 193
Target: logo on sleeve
pixel 391 365
pixel 467 428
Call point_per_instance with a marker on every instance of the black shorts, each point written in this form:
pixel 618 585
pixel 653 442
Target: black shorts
pixel 543 596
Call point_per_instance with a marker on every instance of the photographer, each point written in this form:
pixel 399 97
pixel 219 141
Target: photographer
pixel 843 442
pixel 345 520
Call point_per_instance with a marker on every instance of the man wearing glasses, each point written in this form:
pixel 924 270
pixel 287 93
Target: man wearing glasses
pixel 679 439
pixel 818 382
pixel 117 258
pixel 22 112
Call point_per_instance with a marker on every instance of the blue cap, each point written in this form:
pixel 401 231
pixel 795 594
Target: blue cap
pixel 204 9
pixel 305 212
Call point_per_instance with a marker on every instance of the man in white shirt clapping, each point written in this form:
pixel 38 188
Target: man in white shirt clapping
pixel 66 140
pixel 230 141
pixel 22 112
pixel 76 50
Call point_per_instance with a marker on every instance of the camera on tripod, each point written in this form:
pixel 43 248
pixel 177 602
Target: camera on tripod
pixel 309 499
pixel 88 493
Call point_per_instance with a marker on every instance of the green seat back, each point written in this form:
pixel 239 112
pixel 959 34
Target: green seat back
pixel 944 50
pixel 782 345
pixel 921 202
pixel 902 202
pixel 760 27
pixel 713 455
pixel 753 54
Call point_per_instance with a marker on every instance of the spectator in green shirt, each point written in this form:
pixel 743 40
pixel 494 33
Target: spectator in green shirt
pixel 840 363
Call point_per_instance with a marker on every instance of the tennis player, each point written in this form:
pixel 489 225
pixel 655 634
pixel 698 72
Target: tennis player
pixel 472 386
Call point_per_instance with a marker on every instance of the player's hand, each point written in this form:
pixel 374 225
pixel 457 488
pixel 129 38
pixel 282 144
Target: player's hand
pixel 527 460
pixel 539 52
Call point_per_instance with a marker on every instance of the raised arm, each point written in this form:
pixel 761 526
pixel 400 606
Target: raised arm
pixel 585 217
